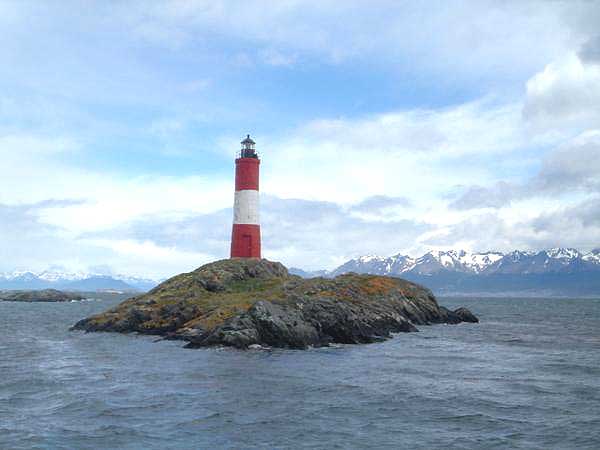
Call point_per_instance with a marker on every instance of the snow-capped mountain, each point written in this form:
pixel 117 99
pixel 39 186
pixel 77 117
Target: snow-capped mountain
pixel 593 256
pixel 377 265
pixel 546 261
pixel 557 271
pixel 473 263
pixel 55 275
pixel 83 281
pixel 429 263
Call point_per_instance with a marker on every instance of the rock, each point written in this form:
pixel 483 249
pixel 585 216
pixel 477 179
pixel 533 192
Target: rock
pixel 247 303
pixel 465 315
pixel 45 295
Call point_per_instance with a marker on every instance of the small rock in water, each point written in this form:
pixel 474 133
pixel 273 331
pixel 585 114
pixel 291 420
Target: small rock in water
pixel 465 315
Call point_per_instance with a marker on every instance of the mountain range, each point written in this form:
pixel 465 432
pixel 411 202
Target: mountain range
pixel 553 272
pixel 78 281
pixel 557 271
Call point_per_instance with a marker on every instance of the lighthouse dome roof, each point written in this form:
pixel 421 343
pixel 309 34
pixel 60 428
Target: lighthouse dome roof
pixel 247 140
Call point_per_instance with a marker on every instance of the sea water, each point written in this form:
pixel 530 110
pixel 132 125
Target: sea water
pixel 527 376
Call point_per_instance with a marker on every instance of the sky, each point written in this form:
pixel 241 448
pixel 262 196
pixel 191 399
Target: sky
pixel 383 127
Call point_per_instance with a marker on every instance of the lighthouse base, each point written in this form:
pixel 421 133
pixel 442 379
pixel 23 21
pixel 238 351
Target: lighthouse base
pixel 245 241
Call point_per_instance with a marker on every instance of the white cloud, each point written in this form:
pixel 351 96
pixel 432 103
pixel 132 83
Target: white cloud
pixel 145 258
pixel 419 154
pixel 565 93
pixel 294 231
pixel 530 225
pixel 573 166
pixel 571 169
pixel 36 165
pixel 482 33
pixel 29 242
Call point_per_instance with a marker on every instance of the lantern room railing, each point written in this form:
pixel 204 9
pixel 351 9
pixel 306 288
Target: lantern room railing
pixel 247 153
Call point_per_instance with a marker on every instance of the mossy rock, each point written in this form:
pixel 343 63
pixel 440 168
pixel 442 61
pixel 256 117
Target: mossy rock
pixel 244 302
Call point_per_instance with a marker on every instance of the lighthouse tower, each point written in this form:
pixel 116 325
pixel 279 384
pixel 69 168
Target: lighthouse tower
pixel 245 237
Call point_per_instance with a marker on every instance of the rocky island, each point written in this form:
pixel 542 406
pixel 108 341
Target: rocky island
pixel 44 295
pixel 251 302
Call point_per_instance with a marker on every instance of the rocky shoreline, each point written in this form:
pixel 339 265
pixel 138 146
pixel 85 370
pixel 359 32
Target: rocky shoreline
pixel 44 295
pixel 245 302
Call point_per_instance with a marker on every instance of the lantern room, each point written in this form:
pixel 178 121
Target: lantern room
pixel 248 148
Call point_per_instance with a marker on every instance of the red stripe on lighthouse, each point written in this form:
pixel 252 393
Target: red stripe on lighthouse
pixel 245 241
pixel 246 174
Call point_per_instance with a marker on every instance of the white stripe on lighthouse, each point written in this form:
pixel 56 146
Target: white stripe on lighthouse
pixel 245 207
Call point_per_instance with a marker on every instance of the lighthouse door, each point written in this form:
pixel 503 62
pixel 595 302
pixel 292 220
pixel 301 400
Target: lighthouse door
pixel 247 244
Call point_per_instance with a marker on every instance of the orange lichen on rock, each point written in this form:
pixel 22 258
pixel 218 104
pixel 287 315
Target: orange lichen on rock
pixel 377 285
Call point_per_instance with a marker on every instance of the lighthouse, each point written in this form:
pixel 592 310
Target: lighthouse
pixel 245 236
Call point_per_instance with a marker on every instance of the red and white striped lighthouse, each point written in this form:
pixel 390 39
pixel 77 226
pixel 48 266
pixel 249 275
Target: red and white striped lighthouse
pixel 245 236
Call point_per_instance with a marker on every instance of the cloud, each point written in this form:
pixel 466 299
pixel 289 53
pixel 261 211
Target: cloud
pixel 501 194
pixel 294 231
pixel 573 167
pixel 378 204
pixel 565 93
pixel 324 234
pixel 473 127
pixel 417 154
pixel 29 243
pixel 590 51
pixel 49 167
pixel 580 221
pixel 25 217
pixel 193 233
pixel 148 259
pixel 576 225
pixel 482 33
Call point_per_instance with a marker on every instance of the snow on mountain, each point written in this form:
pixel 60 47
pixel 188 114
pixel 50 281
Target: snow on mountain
pixel 19 275
pixel 554 272
pixel 484 263
pixel 478 262
pixel 377 265
pixel 592 257
pixel 563 253
pixel 545 261
pixel 400 263
pixel 456 260
pixel 54 278
pixel 369 258
pixel 446 259
pixel 432 262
